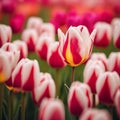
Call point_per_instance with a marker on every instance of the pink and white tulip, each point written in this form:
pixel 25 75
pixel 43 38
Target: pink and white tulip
pixel 35 23
pixel 117 101
pixel 106 86
pixel 93 69
pixel 43 45
pixel 76 45
pixel 22 47
pixel 5 34
pixel 51 109
pixel 114 62
pixel 25 74
pixel 30 36
pixel 100 56
pixel 95 114
pixel 44 88
pixel 54 56
pixel 79 98
pixel 103 35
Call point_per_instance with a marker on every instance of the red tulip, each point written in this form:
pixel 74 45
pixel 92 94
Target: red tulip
pixel 93 69
pixel 106 86
pixel 95 114
pixel 43 45
pixel 76 45
pixel 25 74
pixel 30 36
pixel 44 88
pixel 5 34
pixel 114 62
pixel 54 56
pixel 79 98
pixel 51 109
pixel 103 35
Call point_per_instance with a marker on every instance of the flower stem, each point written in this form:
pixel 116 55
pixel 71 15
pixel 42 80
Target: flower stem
pixel 1 99
pixel 23 106
pixel 57 82
pixel 73 74
pixel 10 105
pixel 94 100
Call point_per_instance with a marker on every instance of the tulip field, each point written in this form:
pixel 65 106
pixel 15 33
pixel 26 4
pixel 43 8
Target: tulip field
pixel 59 60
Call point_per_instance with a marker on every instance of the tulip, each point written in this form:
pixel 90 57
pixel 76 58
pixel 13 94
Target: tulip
pixel 5 34
pixel 93 69
pixel 79 98
pixel 76 45
pixel 43 45
pixel 22 47
pixel 45 88
pixel 103 35
pixel 54 56
pixel 115 21
pixel 36 23
pixel 51 109
pixel 23 80
pixel 30 36
pixel 106 86
pixel 117 101
pixel 114 62
pixel 95 114
pixel 100 56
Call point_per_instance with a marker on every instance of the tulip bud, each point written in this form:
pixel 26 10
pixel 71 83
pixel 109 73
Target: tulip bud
pixel 54 57
pixel 103 35
pixel 95 114
pixel 30 36
pixel 36 23
pixel 44 88
pixel 117 101
pixel 76 45
pixel 114 62
pixel 51 109
pixel 106 86
pixel 22 47
pixel 25 80
pixel 43 45
pixel 100 56
pixel 5 67
pixel 92 70
pixel 5 34
pixel 79 98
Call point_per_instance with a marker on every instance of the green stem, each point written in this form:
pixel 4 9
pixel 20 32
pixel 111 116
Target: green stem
pixel 10 105
pixel 57 82
pixel 23 106
pixel 73 74
pixel 1 99
pixel 94 100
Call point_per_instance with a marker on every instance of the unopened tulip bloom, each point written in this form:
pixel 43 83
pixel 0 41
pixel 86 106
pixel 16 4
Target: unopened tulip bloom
pixel 106 86
pixel 30 36
pixel 100 56
pixel 103 35
pixel 5 67
pixel 117 101
pixel 95 114
pixel 44 88
pixel 22 47
pixel 54 56
pixel 79 98
pixel 114 62
pixel 92 70
pixel 25 74
pixel 76 45
pixel 5 34
pixel 43 45
pixel 51 109
pixel 36 23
